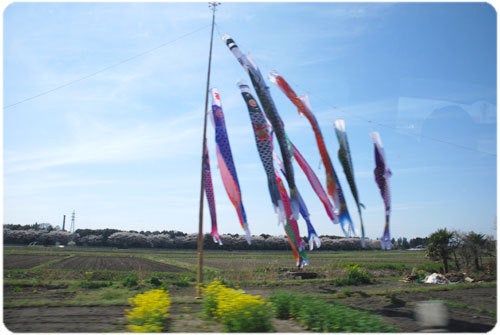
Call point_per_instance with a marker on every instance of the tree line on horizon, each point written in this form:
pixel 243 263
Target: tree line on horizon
pixel 48 235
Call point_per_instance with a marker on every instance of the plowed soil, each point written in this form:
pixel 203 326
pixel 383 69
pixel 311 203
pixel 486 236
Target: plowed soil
pixel 113 263
pixel 26 261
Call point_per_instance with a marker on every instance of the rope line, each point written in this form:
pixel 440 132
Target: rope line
pixel 105 68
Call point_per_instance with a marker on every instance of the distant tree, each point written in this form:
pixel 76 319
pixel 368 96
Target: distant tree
pixel 475 247
pixel 405 244
pixel 90 240
pixel 129 240
pixel 438 247
pixel 456 243
pixel 418 242
pixel 58 236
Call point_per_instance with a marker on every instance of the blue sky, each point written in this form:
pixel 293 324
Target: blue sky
pixel 122 146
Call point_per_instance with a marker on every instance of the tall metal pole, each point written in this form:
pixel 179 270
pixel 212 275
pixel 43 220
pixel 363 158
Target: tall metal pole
pixel 199 275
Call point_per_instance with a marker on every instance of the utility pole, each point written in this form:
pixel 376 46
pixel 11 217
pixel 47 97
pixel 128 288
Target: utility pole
pixel 199 275
pixel 72 227
pixel 64 222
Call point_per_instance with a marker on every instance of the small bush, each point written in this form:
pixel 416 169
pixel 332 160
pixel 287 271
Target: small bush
pixel 149 312
pixel 357 276
pixel 237 311
pixel 155 281
pixel 183 282
pixel 131 280
pixel 354 275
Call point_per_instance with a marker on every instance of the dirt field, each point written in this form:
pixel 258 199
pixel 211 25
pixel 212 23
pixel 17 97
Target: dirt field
pixel 470 308
pixel 26 261
pixel 113 264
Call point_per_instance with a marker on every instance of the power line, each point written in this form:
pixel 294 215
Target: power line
pixel 104 69
pixel 398 130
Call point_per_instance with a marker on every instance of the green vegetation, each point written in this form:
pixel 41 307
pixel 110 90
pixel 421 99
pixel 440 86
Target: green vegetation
pixel 354 275
pixel 44 276
pixel 321 316
pixel 468 250
pixel 237 311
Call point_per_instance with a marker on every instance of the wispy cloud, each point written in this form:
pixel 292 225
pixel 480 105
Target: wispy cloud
pixel 106 143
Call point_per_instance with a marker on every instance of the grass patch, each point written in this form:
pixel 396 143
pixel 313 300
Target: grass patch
pixel 321 316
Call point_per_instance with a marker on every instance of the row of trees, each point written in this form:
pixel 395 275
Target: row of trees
pixel 466 251
pixel 172 240
pixel 48 235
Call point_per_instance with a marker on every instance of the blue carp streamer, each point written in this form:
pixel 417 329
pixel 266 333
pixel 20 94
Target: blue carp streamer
pixel 226 164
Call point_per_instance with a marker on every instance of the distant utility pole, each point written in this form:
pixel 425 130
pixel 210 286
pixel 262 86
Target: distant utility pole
pixel 72 228
pixel 64 222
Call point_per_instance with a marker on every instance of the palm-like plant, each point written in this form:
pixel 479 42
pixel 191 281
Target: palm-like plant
pixel 439 248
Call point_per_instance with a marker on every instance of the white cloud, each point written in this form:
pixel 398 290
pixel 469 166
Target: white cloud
pixel 108 143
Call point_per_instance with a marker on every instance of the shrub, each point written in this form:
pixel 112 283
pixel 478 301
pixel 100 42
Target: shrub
pixel 131 280
pixel 183 282
pixel 237 311
pixel 149 312
pixel 357 276
pixel 354 275
pixel 155 281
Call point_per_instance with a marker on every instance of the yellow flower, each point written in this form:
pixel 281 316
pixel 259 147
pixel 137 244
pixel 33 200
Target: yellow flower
pixel 149 311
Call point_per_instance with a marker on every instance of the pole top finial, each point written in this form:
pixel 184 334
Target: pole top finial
pixel 213 5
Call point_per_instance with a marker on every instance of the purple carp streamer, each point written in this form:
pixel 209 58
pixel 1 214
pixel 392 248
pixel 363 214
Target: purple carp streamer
pixel 344 155
pixel 263 139
pixel 312 236
pixel 333 186
pixel 382 175
pixel 267 103
pixel 209 193
pixel 226 164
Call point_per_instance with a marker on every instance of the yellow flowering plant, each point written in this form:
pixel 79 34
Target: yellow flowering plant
pixel 149 311
pixel 236 310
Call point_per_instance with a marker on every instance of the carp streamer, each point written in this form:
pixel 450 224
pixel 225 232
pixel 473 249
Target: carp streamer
pixel 267 103
pixel 263 136
pixel 312 236
pixel 332 182
pixel 344 155
pixel 209 193
pixel 382 175
pixel 226 164
pixel 292 228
